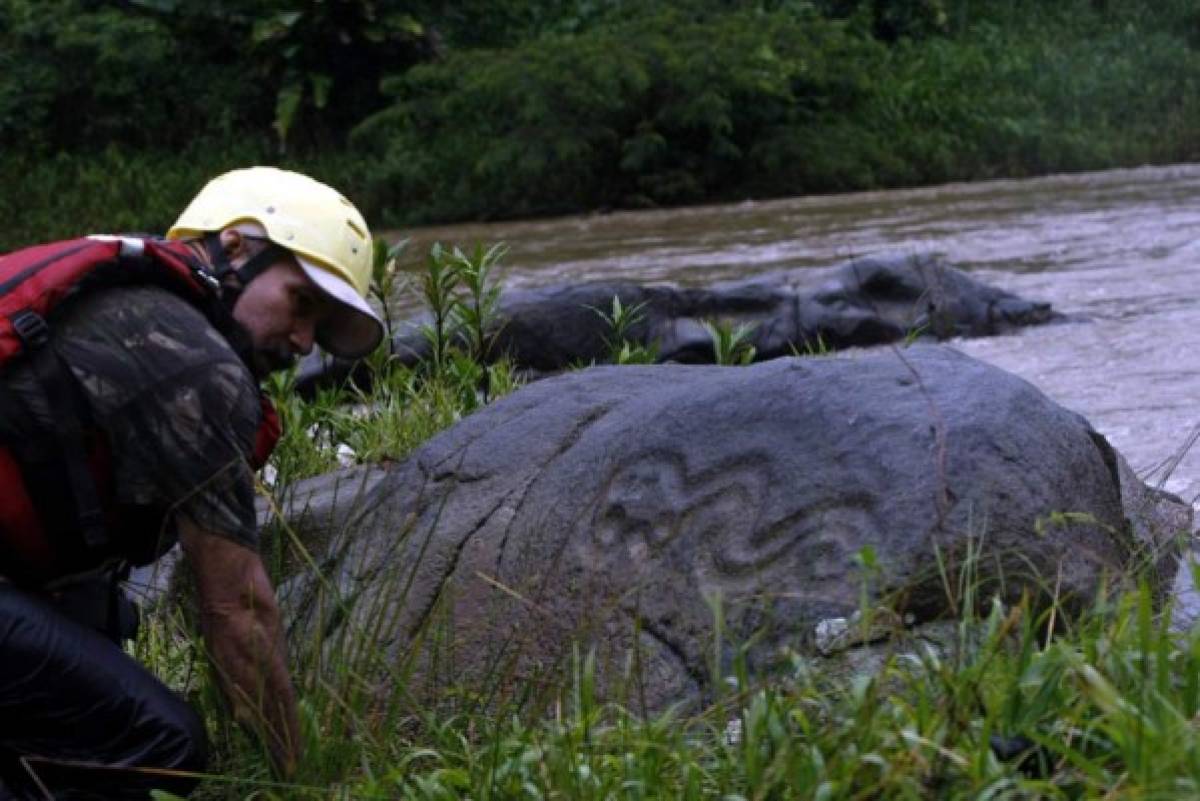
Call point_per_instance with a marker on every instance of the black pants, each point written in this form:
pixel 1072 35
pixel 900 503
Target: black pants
pixel 70 695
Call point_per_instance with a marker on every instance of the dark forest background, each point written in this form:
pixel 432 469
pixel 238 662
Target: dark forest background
pixel 112 114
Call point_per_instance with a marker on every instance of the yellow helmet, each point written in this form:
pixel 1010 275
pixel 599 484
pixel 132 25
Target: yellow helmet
pixel 322 229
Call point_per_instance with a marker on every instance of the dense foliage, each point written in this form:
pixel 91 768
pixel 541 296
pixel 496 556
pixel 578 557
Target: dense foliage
pixel 677 105
pixel 113 113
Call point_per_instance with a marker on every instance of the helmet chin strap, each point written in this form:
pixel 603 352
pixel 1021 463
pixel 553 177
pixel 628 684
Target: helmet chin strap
pixel 251 268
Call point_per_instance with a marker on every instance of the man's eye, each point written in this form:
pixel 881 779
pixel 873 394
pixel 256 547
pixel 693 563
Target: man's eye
pixel 304 303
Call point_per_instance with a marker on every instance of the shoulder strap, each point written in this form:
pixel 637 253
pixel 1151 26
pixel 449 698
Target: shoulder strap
pixel 205 292
pixel 33 283
pixel 54 388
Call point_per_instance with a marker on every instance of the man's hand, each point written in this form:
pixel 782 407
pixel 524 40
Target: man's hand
pixel 240 621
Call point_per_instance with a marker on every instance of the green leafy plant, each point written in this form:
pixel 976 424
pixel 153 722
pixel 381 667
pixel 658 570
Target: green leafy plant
pixel 325 59
pixel 621 320
pixel 476 311
pixel 812 347
pixel 385 277
pixel 914 334
pixel 731 344
pixel 399 407
pixel 463 298
pixel 439 284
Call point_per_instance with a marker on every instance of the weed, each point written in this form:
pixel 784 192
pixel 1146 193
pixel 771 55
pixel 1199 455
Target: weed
pixel 814 347
pixel 623 347
pixel 731 344
pixel 384 258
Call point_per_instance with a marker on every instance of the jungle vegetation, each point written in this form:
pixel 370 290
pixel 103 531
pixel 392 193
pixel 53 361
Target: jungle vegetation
pixel 112 114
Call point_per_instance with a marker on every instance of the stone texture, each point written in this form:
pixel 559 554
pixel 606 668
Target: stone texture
pixel 867 301
pixel 621 507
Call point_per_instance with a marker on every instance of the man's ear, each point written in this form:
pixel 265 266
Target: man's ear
pixel 232 242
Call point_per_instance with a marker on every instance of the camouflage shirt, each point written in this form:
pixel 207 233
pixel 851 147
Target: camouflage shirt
pixel 178 407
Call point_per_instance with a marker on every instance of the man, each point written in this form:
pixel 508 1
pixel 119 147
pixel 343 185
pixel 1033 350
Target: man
pixel 170 389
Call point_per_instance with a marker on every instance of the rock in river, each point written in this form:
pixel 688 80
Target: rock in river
pixel 619 507
pixel 865 301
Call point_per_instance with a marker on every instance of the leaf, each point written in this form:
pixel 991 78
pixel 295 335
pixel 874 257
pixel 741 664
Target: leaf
pixel 272 27
pixel 404 23
pixel 161 6
pixel 288 19
pixel 321 85
pixel 287 104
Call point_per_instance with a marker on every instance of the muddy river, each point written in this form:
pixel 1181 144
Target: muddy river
pixel 1118 250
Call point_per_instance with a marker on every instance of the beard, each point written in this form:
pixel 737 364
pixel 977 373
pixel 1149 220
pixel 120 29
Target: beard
pixel 265 361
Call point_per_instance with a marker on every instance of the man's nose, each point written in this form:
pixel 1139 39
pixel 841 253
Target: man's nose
pixel 303 335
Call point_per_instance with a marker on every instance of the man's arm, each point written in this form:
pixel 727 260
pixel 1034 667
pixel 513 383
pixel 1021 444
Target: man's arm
pixel 240 621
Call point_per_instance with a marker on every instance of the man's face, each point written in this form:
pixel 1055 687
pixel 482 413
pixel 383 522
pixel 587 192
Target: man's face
pixel 280 309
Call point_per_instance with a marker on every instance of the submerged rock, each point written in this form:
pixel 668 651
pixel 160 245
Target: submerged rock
pixel 867 301
pixel 627 509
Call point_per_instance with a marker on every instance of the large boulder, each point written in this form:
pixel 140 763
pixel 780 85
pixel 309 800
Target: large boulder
pixel 628 509
pixel 865 301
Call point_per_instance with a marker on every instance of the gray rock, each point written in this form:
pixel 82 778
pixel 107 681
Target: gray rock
pixel 627 509
pixel 322 507
pixel 837 635
pixel 867 301
pixel 934 641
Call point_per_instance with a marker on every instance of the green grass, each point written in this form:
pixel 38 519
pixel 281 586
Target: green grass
pixel 1101 703
pixel 1105 708
pixel 403 406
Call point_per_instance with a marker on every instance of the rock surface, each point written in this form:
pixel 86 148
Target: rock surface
pixel 621 507
pixel 867 301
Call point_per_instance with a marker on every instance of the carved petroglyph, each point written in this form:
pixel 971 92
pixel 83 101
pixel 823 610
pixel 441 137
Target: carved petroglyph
pixel 828 535
pixel 653 499
pixel 640 505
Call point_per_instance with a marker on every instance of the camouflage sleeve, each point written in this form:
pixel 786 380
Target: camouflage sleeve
pixel 185 445
pixel 180 409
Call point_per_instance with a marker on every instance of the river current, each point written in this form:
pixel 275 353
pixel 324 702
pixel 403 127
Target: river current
pixel 1117 251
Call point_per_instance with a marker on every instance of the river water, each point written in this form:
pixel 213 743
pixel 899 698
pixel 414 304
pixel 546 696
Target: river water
pixel 1117 250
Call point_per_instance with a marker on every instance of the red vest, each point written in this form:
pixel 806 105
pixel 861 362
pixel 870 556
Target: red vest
pixel 33 282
